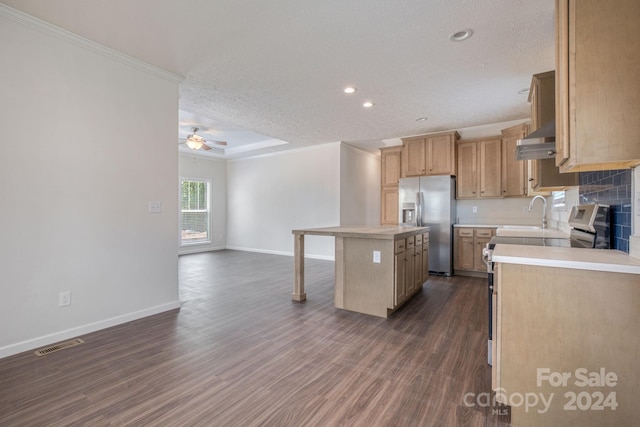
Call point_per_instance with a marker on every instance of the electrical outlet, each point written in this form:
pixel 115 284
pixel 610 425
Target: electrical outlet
pixel 474 209
pixel 376 257
pixel 64 298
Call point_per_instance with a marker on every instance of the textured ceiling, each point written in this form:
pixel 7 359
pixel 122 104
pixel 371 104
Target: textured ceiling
pixel 277 68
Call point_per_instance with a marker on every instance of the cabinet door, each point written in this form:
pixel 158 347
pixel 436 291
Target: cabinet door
pixel 390 165
pixel 400 293
pixel 465 253
pixel 409 270
pixel 417 268
pixel 414 156
pixel 490 157
pixel 598 68
pixel 514 172
pixel 466 184
pixel 425 261
pixel 389 206
pixel 441 155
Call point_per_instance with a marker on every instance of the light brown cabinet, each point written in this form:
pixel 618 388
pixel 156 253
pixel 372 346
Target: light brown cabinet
pixel 433 154
pixel 547 314
pixel 468 243
pixel 411 263
pixel 598 103
pixel 544 175
pixel 400 266
pixel 514 172
pixel 390 169
pixel 479 163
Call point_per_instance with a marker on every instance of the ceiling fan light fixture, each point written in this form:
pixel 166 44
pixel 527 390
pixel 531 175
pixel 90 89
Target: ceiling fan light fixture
pixel 195 142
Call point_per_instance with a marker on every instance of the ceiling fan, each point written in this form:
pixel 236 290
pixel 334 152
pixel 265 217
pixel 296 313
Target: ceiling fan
pixel 196 142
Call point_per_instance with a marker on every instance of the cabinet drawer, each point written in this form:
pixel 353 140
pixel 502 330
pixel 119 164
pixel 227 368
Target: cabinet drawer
pixel 425 238
pixel 465 232
pixel 401 245
pixel 418 239
pixel 484 232
pixel 410 242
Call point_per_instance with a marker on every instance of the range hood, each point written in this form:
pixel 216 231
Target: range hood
pixel 540 144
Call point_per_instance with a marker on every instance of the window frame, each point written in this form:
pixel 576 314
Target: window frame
pixel 208 240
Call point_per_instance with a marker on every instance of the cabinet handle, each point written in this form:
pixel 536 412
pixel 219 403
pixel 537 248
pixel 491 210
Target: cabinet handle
pixel 530 179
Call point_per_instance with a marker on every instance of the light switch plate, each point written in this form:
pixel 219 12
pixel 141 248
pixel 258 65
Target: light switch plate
pixel 155 207
pixel 376 257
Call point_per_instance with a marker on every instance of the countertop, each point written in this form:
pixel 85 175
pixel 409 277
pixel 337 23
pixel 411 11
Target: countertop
pixel 476 226
pixel 575 258
pixel 381 232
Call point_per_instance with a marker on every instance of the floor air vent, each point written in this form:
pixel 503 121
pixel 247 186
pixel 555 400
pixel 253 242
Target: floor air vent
pixel 58 347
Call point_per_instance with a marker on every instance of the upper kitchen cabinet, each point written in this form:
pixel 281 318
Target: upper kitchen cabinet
pixel 544 175
pixel 514 172
pixel 598 96
pixel 433 154
pixel 390 167
pixel 479 168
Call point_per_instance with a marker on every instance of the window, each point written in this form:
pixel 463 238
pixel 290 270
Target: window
pixel 194 211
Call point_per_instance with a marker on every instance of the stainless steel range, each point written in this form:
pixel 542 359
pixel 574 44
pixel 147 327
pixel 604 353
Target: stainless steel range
pixel 590 228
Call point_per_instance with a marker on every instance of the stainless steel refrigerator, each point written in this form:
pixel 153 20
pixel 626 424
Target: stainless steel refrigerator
pixel 430 201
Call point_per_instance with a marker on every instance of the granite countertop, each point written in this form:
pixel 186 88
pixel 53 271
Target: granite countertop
pixel 575 258
pixel 382 232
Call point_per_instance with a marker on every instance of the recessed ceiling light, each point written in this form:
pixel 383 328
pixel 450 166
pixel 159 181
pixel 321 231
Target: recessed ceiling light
pixel 349 89
pixel 421 119
pixel 523 91
pixel 461 35
pixel 367 104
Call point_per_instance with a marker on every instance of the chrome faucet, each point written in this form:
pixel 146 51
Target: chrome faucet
pixel 544 209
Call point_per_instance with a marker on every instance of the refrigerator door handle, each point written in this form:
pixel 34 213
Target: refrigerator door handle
pixel 419 209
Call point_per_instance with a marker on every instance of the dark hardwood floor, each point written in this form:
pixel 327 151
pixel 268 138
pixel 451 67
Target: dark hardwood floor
pixel 240 353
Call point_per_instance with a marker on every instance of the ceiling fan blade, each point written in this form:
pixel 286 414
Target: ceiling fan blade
pixel 205 147
pixel 223 143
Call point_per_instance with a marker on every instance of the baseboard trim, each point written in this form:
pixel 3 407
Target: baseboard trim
pixel 265 251
pixel 45 340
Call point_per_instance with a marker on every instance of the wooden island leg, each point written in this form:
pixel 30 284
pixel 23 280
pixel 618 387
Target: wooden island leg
pixel 298 254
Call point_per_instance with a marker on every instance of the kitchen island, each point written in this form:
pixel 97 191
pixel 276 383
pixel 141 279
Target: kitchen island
pixel 565 336
pixel 377 269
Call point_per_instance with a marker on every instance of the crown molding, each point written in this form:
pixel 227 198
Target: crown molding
pixel 60 33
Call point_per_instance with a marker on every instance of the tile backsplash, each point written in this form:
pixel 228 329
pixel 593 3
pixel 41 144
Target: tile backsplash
pixel 612 188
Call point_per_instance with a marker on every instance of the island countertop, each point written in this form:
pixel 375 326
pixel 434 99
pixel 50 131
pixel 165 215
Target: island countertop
pixel 366 232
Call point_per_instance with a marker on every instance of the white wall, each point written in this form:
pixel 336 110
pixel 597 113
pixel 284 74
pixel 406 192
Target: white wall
pixel 193 166
pixel 86 141
pixel 268 196
pixel 359 187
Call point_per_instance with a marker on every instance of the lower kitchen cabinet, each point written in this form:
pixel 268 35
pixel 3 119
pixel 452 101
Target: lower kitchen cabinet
pixel 566 336
pixel 411 263
pixel 468 243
